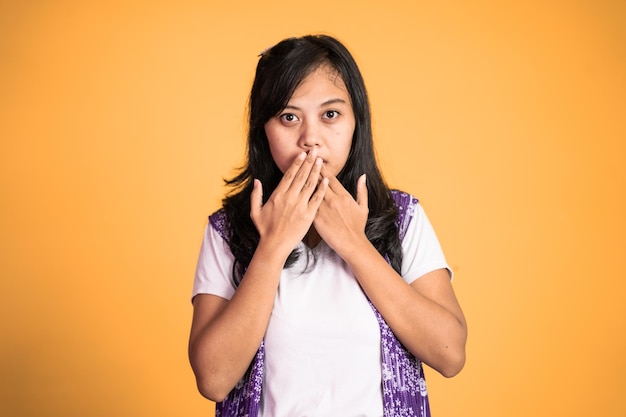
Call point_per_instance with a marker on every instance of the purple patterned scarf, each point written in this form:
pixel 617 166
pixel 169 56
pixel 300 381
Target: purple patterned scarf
pixel 404 386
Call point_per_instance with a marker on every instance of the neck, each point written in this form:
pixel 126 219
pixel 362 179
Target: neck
pixel 312 238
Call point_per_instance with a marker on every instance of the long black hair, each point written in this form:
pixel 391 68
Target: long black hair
pixel 279 72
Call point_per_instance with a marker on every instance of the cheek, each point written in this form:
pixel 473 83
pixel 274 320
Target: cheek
pixel 275 145
pixel 280 159
pixel 345 142
pixel 283 145
pixel 281 154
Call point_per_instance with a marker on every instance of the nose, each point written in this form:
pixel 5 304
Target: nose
pixel 310 135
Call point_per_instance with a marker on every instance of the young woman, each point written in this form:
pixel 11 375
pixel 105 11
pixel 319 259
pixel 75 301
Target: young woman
pixel 319 291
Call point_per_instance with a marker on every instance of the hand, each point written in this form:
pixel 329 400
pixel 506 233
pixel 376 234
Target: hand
pixel 288 214
pixel 341 219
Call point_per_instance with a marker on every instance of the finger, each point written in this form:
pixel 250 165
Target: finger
pixel 317 198
pixel 333 183
pixel 361 191
pixel 302 175
pixel 314 178
pixel 256 197
pixel 291 172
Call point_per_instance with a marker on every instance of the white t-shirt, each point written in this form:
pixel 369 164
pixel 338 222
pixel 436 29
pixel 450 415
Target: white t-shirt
pixel 322 345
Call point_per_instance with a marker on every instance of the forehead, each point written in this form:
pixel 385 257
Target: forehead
pixel 323 80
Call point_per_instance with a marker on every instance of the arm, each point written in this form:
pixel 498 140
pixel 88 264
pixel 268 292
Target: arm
pixel 425 315
pixel 225 334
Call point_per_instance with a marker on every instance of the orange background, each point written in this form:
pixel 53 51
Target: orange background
pixel 119 120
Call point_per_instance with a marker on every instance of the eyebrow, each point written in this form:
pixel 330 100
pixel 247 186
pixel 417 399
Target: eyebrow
pixel 324 104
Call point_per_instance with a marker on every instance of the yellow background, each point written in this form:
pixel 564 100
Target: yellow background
pixel 119 120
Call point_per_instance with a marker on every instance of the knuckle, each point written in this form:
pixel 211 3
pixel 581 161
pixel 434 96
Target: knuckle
pixel 289 174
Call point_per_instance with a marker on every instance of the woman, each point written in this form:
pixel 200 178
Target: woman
pixel 319 291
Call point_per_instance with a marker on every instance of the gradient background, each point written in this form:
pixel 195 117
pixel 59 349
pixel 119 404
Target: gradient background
pixel 119 120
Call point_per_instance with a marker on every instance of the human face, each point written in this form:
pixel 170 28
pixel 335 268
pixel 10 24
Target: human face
pixel 318 116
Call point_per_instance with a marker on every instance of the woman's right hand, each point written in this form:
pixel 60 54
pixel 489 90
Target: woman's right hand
pixel 226 334
pixel 287 216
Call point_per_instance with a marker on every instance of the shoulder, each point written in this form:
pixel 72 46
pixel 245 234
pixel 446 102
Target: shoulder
pixel 402 197
pixel 407 205
pixel 219 221
pixel 403 200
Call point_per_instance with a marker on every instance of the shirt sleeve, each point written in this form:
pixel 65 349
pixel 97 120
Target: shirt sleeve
pixel 215 266
pixel 421 250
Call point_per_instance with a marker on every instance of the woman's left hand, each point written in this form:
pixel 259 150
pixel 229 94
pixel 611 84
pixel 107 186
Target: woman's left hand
pixel 424 315
pixel 341 219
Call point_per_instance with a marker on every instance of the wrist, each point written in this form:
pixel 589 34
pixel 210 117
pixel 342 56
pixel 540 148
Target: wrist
pixel 273 251
pixel 356 250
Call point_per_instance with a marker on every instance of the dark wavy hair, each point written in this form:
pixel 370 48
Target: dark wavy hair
pixel 279 72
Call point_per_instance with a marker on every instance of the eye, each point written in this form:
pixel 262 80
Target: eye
pixel 331 114
pixel 288 117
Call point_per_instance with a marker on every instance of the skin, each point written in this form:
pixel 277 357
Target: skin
pixel 318 117
pixel 310 141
